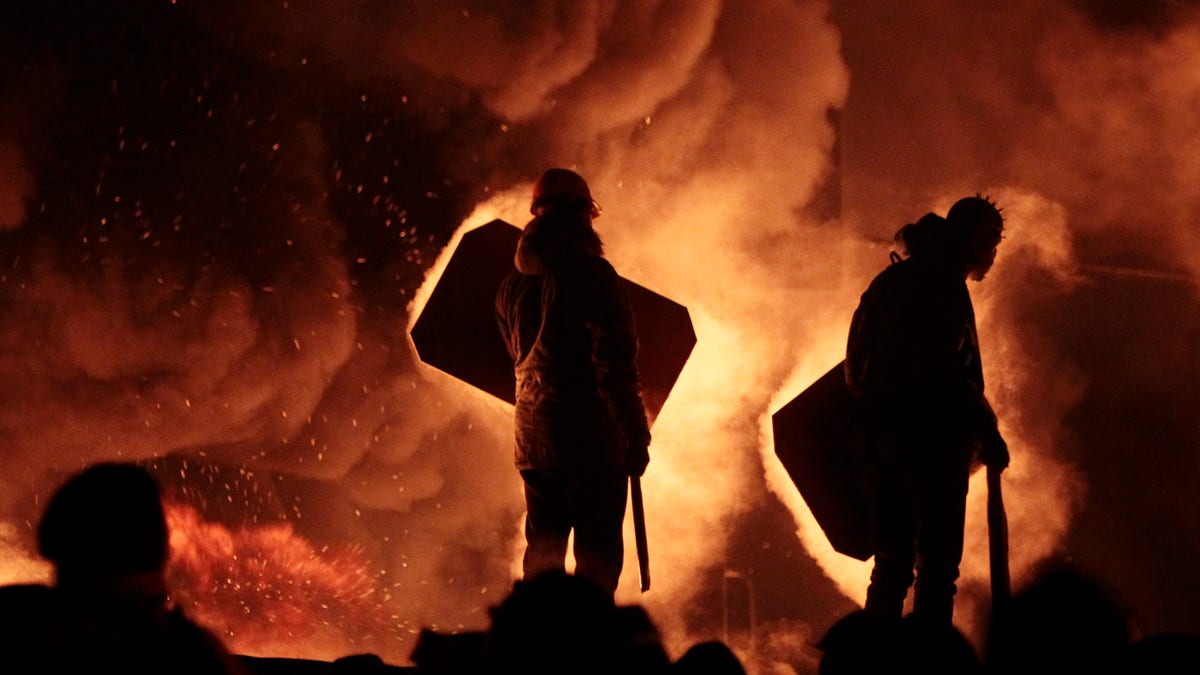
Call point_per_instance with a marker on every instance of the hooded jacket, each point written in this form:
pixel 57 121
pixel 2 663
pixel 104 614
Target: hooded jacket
pixel 912 358
pixel 566 322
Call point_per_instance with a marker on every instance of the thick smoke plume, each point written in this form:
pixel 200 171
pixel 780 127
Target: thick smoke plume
pixel 1080 104
pixel 216 217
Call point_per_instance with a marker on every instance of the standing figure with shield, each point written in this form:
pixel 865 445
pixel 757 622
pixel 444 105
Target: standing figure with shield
pixel 913 369
pixel 581 426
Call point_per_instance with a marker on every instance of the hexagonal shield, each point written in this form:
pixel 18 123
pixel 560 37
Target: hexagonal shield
pixel 825 455
pixel 456 331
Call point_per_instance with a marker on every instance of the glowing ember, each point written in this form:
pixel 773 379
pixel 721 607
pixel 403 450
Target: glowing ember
pixel 270 592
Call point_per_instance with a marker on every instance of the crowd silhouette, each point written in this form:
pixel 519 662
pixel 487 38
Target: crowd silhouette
pixel 107 611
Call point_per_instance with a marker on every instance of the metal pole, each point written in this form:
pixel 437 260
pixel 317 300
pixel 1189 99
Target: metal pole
pixel 751 612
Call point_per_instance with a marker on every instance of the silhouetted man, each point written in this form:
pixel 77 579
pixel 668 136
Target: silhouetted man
pixel 912 364
pixel 581 427
pixel 108 611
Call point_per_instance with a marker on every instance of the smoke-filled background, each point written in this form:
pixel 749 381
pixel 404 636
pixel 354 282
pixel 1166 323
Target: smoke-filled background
pixel 218 219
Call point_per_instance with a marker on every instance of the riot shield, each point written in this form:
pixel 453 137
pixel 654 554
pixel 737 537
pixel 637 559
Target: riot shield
pixel 825 455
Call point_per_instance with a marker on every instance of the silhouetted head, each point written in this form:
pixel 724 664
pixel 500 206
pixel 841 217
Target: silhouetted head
pixel 562 189
pixel 977 213
pixel 708 658
pixel 553 623
pixel 105 523
pixel 637 644
pixel 861 642
pixel 966 238
pixel 561 230
pixel 1162 653
pixel 1063 620
pixel 980 222
pixel 935 647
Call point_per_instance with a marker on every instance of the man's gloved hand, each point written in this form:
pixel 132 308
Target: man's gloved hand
pixel 636 459
pixel 994 451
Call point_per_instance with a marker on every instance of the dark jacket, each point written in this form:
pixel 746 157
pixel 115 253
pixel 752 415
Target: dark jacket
pixel 566 322
pixel 912 357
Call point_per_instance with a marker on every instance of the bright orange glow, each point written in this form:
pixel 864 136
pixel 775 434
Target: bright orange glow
pixel 205 263
pixel 269 592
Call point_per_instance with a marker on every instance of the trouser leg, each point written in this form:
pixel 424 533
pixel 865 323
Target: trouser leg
pixel 940 542
pixel 895 552
pixel 548 516
pixel 599 517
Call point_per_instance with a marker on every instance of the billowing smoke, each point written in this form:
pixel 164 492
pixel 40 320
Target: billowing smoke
pixel 1092 349
pixel 217 217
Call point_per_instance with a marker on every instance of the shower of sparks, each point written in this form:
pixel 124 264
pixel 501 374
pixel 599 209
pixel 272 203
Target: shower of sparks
pixel 270 592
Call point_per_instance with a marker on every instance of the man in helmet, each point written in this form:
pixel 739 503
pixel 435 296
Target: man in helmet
pixel 581 427
pixel 913 367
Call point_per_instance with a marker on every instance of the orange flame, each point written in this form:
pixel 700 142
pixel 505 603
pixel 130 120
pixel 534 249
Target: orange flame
pixel 269 592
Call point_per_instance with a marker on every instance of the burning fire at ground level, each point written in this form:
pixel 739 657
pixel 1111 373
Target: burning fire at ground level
pixel 212 238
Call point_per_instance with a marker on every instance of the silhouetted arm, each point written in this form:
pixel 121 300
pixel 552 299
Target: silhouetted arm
pixel 614 355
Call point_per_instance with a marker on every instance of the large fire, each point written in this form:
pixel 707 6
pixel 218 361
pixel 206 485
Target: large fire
pixel 269 592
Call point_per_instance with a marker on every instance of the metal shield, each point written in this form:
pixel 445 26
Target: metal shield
pixel 456 331
pixel 825 456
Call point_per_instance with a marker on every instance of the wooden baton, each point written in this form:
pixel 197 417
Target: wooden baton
pixel 639 531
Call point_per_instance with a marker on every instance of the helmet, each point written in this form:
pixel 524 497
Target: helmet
pixel 562 186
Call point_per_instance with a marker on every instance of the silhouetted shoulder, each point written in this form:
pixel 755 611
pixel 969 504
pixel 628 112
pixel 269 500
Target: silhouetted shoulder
pixel 1166 652
pixel 18 597
pixel 597 266
pixel 23 609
